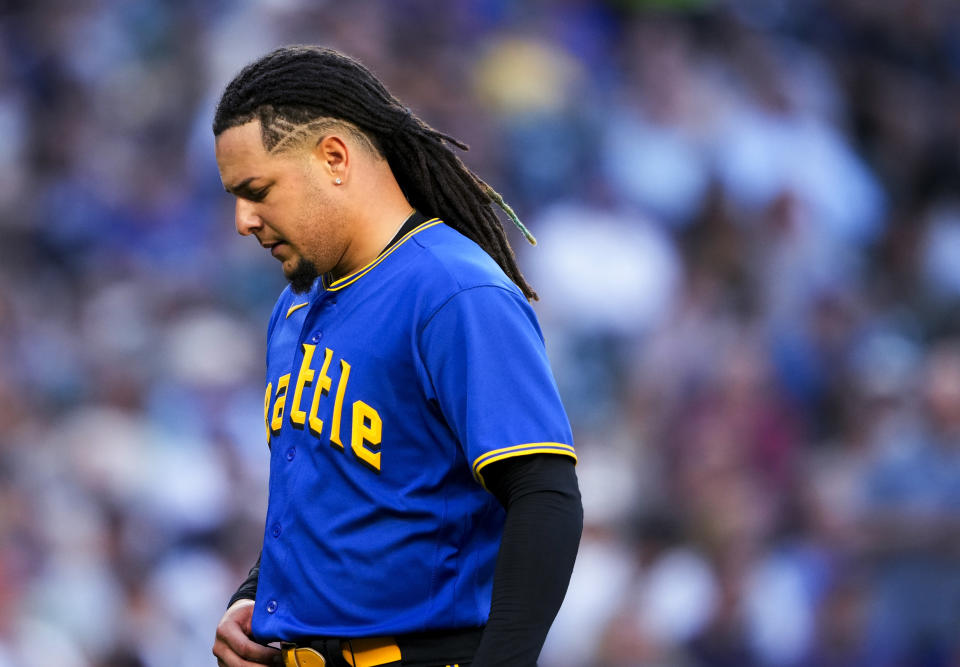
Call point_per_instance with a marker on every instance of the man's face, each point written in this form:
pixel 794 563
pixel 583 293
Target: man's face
pixel 284 199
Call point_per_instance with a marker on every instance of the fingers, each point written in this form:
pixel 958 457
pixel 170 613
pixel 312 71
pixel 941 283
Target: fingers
pixel 235 661
pixel 236 652
pixel 245 656
pixel 240 611
pixel 233 647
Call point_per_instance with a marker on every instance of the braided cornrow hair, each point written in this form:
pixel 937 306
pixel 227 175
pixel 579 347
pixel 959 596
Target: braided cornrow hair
pixel 295 86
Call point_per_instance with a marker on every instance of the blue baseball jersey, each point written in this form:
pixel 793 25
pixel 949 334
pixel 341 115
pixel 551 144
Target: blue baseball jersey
pixel 388 392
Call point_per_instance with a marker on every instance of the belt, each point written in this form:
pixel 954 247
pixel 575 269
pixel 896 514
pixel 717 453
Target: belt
pixel 365 652
pixel 416 649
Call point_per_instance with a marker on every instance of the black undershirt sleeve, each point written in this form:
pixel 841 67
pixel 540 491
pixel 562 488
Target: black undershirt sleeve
pixel 248 589
pixel 539 545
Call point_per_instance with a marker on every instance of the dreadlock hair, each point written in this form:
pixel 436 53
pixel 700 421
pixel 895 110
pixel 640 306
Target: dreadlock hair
pixel 297 90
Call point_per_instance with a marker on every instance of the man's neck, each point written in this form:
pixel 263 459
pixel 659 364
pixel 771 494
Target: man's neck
pixel 371 237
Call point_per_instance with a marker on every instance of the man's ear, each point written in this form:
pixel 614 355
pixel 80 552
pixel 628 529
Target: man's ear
pixel 332 152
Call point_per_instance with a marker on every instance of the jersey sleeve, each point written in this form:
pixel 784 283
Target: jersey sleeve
pixel 486 368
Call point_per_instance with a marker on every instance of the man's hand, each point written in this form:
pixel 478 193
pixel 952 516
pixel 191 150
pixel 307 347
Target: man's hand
pixel 233 646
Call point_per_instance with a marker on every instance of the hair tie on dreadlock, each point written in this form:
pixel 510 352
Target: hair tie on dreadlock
pixel 497 199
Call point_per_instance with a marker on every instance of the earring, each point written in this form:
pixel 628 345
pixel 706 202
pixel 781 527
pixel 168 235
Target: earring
pixel 338 181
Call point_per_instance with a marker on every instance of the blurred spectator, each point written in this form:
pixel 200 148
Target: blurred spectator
pixel 911 520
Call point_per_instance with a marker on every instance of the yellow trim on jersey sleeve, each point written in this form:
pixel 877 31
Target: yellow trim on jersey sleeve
pixel 296 306
pixel 357 275
pixel 520 450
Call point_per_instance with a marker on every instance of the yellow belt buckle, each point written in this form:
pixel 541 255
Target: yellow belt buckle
pixel 370 651
pixel 301 657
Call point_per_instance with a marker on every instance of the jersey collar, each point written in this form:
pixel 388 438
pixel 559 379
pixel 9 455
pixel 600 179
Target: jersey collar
pixel 415 224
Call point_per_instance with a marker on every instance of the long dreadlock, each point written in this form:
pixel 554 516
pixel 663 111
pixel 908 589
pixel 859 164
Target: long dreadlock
pixel 294 86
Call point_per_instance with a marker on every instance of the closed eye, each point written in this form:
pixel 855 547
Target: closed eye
pixel 244 191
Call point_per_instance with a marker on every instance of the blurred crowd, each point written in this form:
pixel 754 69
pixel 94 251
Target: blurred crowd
pixel 748 214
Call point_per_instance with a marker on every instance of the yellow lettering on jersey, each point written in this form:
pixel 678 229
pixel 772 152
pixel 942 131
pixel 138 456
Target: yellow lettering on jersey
pixel 297 416
pixel 338 404
pixel 266 409
pixel 366 433
pixel 323 387
pixel 278 404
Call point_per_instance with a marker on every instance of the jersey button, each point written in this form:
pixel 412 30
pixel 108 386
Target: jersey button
pixel 271 606
pixel 275 531
pixel 292 452
pixel 316 337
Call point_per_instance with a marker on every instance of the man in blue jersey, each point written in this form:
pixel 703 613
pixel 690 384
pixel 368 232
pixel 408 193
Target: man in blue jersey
pixel 423 506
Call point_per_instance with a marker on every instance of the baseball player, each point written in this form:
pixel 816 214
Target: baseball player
pixel 423 506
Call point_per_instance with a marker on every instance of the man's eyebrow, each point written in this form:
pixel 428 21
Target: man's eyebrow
pixel 243 187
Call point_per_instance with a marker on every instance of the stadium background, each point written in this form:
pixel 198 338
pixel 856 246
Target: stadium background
pixel 749 266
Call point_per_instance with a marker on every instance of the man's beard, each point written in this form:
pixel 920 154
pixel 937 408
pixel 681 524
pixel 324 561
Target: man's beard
pixel 303 276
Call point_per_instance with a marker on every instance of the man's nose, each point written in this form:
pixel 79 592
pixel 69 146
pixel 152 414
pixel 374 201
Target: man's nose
pixel 245 218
